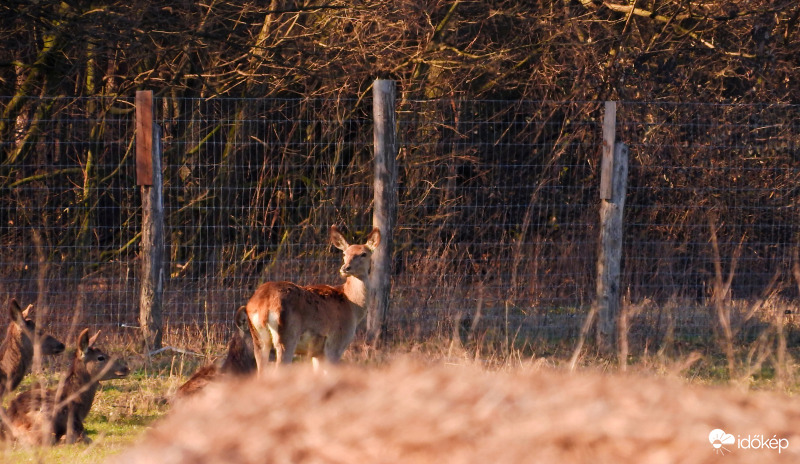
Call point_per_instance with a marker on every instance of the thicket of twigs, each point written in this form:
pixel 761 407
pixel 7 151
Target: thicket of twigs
pixel 577 50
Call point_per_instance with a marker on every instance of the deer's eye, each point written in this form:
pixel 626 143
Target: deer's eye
pixel 364 254
pixel 101 358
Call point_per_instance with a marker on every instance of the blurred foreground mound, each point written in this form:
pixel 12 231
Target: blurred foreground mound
pixel 414 413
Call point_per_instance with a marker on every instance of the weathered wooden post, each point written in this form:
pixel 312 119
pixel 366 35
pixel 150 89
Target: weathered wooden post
pixel 151 250
pixel 613 182
pixel 385 210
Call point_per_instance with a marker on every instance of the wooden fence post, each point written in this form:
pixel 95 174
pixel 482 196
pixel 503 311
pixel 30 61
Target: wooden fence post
pixel 385 209
pixel 613 184
pixel 151 250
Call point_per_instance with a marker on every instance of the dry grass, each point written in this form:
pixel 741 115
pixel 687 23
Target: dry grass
pixel 456 403
pixel 425 413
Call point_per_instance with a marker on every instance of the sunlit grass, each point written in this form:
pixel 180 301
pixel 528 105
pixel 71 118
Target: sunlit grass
pixel 109 437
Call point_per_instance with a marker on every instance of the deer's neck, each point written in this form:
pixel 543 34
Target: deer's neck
pixel 80 386
pixel 17 355
pixel 357 292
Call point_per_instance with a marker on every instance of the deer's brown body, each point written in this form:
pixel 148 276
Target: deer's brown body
pixel 240 359
pixel 43 416
pixel 16 351
pixel 323 318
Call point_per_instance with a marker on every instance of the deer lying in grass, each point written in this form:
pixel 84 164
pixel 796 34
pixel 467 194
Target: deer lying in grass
pixel 44 416
pixel 240 359
pixel 16 351
pixel 322 317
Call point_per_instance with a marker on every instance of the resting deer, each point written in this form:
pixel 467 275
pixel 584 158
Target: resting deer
pixel 16 351
pixel 240 359
pixel 45 415
pixel 323 317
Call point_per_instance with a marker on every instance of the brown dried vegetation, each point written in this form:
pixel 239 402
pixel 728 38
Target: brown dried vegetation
pixel 239 359
pixel 409 412
pixel 579 50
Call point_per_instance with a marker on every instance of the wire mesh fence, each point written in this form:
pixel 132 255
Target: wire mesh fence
pixel 70 218
pixel 711 211
pixel 497 217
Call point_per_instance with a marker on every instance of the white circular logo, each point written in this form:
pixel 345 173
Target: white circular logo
pixel 718 437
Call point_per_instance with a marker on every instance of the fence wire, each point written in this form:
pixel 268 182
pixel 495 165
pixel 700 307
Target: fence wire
pixel 498 209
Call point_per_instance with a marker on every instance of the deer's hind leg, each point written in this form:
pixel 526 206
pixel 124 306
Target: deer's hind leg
pixel 286 335
pixel 262 341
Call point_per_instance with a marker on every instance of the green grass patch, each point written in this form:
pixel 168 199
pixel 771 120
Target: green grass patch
pixel 122 411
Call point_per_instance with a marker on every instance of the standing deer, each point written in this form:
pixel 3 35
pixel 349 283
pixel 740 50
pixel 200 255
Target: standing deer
pixel 44 415
pixel 16 351
pixel 240 359
pixel 322 317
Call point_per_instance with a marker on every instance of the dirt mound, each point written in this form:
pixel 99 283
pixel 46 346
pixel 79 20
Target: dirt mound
pixel 412 413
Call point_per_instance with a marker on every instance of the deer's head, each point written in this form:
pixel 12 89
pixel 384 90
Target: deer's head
pixel 23 320
pixel 357 258
pixel 99 365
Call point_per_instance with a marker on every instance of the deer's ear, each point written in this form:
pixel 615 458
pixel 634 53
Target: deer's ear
pixel 337 239
pixel 17 314
pixel 83 341
pixel 94 338
pixel 373 239
pixel 26 313
pixel 14 311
